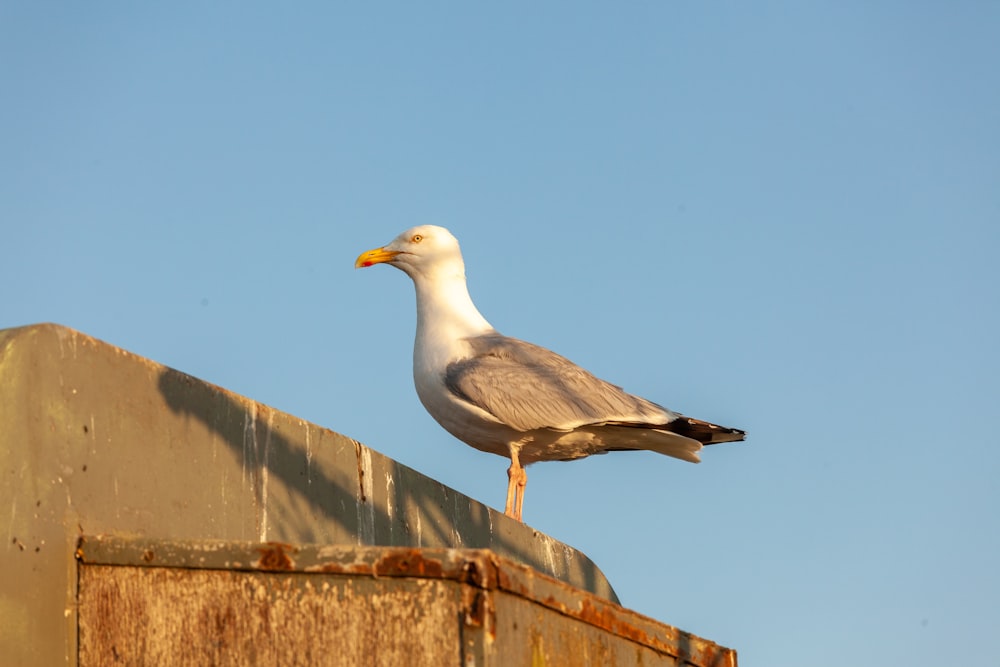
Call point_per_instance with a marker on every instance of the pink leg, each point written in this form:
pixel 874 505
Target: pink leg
pixel 512 477
pixel 522 481
pixel 517 479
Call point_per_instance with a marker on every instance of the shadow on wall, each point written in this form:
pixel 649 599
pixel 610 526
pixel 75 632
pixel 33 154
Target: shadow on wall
pixel 312 485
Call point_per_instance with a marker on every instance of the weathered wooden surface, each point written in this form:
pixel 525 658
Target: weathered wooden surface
pixel 150 603
pixel 94 439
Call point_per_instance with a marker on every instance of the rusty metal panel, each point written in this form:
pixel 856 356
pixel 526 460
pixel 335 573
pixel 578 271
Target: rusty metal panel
pixel 144 602
pixel 168 616
pixel 94 439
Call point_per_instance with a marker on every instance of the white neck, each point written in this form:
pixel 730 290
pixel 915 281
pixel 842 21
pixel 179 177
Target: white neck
pixel 445 311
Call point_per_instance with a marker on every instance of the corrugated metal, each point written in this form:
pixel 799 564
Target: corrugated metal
pixel 221 603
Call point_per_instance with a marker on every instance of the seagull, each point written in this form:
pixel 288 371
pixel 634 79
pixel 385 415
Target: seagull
pixel 509 397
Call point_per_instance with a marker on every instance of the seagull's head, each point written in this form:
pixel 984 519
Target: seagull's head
pixel 419 251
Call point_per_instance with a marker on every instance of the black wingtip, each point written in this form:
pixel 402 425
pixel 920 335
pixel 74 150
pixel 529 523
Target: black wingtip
pixel 705 432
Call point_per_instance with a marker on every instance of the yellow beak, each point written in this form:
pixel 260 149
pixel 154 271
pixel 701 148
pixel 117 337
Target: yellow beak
pixel 376 256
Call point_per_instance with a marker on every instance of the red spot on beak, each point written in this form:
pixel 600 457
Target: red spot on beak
pixel 366 264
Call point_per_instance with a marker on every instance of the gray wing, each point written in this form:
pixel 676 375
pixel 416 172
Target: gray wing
pixel 528 387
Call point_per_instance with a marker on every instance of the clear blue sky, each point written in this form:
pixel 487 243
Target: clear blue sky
pixel 782 217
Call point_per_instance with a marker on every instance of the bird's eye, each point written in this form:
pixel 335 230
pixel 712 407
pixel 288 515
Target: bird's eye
pixel 417 238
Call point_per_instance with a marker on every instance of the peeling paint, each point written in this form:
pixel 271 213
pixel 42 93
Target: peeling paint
pixel 249 441
pixel 389 484
pixel 265 476
pixel 366 503
pixel 550 559
pixel 309 454
pixel 63 334
pixel 390 505
pixel 456 534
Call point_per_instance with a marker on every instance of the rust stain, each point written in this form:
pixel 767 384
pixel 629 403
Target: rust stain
pixel 478 610
pixel 478 605
pixel 408 562
pixel 340 568
pixel 513 584
pixel 479 579
pixel 606 619
pixel 361 470
pixel 275 556
pixel 689 649
pixel 148 556
pixel 470 570
pixel 482 571
pixel 477 570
